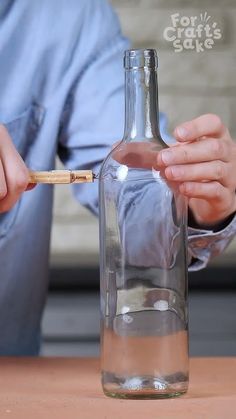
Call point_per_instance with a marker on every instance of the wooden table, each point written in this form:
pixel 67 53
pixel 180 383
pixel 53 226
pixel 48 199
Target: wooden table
pixel 33 388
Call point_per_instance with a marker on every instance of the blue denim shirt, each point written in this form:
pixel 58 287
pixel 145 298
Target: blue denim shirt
pixel 61 92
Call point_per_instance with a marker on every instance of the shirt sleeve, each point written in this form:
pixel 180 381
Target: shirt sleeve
pixel 94 116
pixel 206 244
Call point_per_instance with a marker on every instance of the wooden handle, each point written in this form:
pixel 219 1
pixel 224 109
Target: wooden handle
pixel 61 176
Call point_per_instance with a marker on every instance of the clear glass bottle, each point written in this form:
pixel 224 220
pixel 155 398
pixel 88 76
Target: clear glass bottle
pixel 144 336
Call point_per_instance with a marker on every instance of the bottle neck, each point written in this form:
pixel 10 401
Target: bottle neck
pixel 141 105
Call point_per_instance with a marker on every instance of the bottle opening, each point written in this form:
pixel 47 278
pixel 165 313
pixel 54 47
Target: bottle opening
pixel 140 58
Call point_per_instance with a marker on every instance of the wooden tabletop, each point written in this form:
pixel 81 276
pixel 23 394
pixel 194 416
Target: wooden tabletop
pixel 43 388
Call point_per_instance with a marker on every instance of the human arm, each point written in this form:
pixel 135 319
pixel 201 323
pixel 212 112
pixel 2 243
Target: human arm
pixel 203 162
pixel 94 113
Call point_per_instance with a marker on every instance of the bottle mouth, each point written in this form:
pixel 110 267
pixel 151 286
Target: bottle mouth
pixel 140 58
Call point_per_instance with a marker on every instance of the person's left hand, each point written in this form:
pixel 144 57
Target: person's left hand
pixel 203 162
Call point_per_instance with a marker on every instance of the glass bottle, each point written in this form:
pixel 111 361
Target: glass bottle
pixel 143 269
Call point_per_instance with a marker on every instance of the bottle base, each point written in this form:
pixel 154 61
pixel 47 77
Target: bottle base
pixel 143 387
pixel 142 395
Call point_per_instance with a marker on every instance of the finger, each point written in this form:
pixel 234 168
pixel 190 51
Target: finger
pixel 16 185
pixel 204 125
pixel 215 170
pixel 15 171
pixel 210 191
pixel 198 151
pixel 30 186
pixel 3 185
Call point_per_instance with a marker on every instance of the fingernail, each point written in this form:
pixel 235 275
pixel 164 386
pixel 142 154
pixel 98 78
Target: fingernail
pixel 167 156
pixel 182 132
pixel 177 172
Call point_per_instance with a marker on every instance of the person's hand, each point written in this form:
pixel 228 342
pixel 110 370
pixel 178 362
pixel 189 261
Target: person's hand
pixel 204 164
pixel 14 175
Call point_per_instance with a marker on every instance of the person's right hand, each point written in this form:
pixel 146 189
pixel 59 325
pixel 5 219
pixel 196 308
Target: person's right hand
pixel 14 175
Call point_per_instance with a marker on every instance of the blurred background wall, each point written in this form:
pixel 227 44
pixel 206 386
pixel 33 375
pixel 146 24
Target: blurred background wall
pixel 190 83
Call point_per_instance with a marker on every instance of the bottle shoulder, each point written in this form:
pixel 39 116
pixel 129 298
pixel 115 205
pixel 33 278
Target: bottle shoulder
pixel 133 157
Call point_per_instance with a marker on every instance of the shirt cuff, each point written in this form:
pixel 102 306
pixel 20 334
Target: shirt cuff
pixel 204 244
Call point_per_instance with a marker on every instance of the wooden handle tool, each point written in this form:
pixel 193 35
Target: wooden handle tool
pixel 61 176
